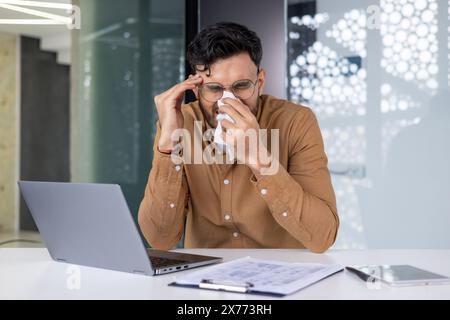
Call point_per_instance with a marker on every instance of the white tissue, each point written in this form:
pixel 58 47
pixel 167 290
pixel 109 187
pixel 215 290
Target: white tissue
pixel 222 145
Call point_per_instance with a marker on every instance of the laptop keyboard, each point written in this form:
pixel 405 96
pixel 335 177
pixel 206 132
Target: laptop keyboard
pixel 158 262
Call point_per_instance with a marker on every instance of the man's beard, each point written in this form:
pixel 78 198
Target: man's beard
pixel 209 116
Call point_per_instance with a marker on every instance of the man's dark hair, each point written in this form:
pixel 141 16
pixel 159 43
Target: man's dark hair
pixel 220 41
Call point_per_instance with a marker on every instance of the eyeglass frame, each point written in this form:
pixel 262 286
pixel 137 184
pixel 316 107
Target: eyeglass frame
pixel 231 87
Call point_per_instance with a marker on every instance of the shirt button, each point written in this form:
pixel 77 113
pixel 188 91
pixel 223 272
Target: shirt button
pixel 284 214
pixel 264 191
pixel 235 234
pixel 172 205
pixel 226 181
pixel 177 168
pixel 227 217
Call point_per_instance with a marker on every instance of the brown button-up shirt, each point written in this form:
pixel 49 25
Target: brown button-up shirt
pixel 226 205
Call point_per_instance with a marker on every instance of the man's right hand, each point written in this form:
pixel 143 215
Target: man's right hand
pixel 168 106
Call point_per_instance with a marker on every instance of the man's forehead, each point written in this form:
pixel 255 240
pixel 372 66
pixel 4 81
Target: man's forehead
pixel 230 69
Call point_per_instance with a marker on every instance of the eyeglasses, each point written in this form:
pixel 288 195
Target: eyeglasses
pixel 242 89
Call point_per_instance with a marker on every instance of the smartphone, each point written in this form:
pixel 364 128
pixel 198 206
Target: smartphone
pixel 398 275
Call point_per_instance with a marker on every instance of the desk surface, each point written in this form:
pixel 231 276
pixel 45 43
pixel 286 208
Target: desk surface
pixel 29 273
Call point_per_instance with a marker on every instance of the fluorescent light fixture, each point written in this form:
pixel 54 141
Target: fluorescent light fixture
pixel 40 4
pixel 30 21
pixel 17 5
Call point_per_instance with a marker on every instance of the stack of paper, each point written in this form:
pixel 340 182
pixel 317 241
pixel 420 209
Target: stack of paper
pixel 259 276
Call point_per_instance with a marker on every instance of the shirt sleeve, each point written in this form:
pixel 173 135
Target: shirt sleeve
pixel 301 197
pixel 162 212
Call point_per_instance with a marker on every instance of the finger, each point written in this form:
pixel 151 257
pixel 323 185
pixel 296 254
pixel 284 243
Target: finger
pixel 231 112
pixel 239 106
pixel 228 124
pixel 193 80
pixel 228 138
pixel 193 77
pixel 177 91
pixel 180 88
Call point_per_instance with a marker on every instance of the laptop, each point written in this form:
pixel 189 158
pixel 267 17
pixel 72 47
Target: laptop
pixel 91 224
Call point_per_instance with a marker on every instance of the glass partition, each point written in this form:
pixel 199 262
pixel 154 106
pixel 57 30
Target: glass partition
pixel 376 73
pixel 125 53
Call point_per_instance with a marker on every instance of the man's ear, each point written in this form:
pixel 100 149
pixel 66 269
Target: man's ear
pixel 261 80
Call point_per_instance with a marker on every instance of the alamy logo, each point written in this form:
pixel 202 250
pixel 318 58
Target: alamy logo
pixel 249 147
pixel 73 281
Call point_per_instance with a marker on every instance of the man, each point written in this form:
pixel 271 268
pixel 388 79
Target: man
pixel 236 205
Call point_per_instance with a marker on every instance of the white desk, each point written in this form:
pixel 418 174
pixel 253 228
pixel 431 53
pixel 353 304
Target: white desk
pixel 29 273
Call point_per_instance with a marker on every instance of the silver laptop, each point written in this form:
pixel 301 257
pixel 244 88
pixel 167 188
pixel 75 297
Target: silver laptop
pixel 91 225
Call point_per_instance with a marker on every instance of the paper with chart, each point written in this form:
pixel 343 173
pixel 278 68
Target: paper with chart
pixel 263 275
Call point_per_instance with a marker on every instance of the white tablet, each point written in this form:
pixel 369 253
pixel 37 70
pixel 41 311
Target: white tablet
pixel 398 275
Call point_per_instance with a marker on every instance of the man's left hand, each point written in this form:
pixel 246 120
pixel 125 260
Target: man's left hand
pixel 245 132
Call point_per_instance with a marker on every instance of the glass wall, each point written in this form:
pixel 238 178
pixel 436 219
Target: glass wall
pixel 125 53
pixel 376 73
